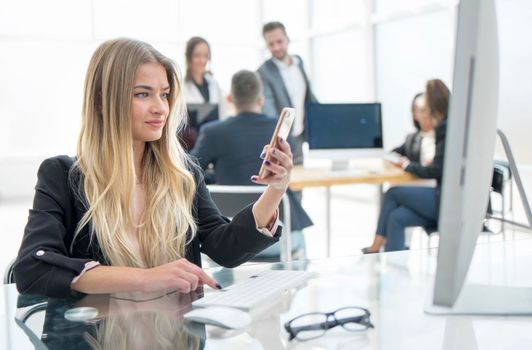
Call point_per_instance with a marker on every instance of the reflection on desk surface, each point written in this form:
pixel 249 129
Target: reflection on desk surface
pixel 120 323
pixel 393 286
pixel 352 172
pixel 370 171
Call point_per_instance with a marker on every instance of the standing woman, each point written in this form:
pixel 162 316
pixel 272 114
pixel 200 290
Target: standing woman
pixel 405 206
pixel 131 212
pixel 200 86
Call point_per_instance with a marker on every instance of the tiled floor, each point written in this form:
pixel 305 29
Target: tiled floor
pixel 354 216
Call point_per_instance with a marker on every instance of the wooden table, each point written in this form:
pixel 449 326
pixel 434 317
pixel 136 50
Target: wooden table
pixel 366 171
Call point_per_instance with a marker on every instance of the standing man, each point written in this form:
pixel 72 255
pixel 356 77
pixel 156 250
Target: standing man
pixel 285 83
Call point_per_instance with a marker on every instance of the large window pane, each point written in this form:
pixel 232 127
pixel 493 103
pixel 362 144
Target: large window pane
pixel 293 14
pixel 406 5
pixel 341 72
pixel 41 101
pixel 328 15
pixel 45 19
pixel 234 21
pixel 515 75
pixel 229 59
pixel 409 52
pixel 154 20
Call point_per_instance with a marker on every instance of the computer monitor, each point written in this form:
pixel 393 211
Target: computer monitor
pixel 468 167
pixel 344 131
pixel 199 114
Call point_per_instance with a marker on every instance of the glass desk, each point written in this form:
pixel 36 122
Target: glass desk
pixel 393 286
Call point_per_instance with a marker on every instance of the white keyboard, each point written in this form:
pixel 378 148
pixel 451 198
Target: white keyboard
pixel 255 290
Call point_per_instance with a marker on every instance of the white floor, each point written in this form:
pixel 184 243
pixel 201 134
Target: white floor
pixel 354 216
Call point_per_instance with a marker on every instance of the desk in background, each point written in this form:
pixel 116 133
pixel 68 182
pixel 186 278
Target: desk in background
pixel 393 286
pixel 365 171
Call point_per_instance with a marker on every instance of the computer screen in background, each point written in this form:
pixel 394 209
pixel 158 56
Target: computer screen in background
pixel 468 167
pixel 198 115
pixel 341 132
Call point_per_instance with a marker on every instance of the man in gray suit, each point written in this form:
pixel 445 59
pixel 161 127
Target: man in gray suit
pixel 285 83
pixel 234 145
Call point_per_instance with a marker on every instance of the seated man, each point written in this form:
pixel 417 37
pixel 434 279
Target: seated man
pixel 233 147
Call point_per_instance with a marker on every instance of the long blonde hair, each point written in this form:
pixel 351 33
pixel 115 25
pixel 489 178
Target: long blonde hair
pixel 141 330
pixel 105 160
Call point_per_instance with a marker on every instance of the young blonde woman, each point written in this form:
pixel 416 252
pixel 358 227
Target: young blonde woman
pixel 131 211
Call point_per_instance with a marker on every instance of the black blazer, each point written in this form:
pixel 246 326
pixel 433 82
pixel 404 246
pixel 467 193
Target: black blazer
pixel 233 146
pixel 435 169
pixel 46 265
pixel 411 148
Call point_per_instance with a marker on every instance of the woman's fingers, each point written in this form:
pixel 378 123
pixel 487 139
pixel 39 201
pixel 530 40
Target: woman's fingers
pixel 282 158
pixel 202 276
pixel 278 162
pixel 264 152
pixel 284 146
pixel 179 274
pixel 276 169
pixel 186 282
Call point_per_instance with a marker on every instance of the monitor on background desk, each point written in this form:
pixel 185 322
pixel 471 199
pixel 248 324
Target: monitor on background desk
pixel 198 115
pixel 341 132
pixel 468 167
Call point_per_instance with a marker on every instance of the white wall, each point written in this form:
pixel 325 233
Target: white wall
pixel 410 50
pixel 515 108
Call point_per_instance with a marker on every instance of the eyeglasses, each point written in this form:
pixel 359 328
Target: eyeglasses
pixel 315 324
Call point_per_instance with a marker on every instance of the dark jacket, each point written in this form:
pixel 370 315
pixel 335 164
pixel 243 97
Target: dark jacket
pixel 233 146
pixel 411 148
pixel 46 265
pixel 276 96
pixel 435 169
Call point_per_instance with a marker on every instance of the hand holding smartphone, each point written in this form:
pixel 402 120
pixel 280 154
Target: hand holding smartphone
pixel 282 130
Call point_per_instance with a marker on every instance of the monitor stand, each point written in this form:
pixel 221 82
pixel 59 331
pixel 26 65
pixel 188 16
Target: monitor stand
pixel 518 184
pixel 478 299
pixel 340 165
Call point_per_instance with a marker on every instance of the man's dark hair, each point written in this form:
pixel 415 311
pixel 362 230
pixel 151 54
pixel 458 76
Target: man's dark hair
pixel 246 88
pixel 268 27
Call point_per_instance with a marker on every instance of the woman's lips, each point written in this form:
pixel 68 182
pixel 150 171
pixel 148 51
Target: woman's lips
pixel 156 123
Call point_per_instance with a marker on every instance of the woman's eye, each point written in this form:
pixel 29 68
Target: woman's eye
pixel 141 94
pixel 166 95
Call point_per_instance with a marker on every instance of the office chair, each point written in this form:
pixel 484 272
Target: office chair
pixel 502 177
pixel 231 199
pixel 9 275
pixel 501 183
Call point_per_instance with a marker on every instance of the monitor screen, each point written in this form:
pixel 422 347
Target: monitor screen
pixel 344 126
pixel 198 115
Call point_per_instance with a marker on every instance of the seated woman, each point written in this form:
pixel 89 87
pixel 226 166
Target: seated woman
pixel 420 145
pixel 407 206
pixel 131 211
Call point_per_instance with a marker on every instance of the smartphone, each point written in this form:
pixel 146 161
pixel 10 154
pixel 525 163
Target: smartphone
pixel 282 130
